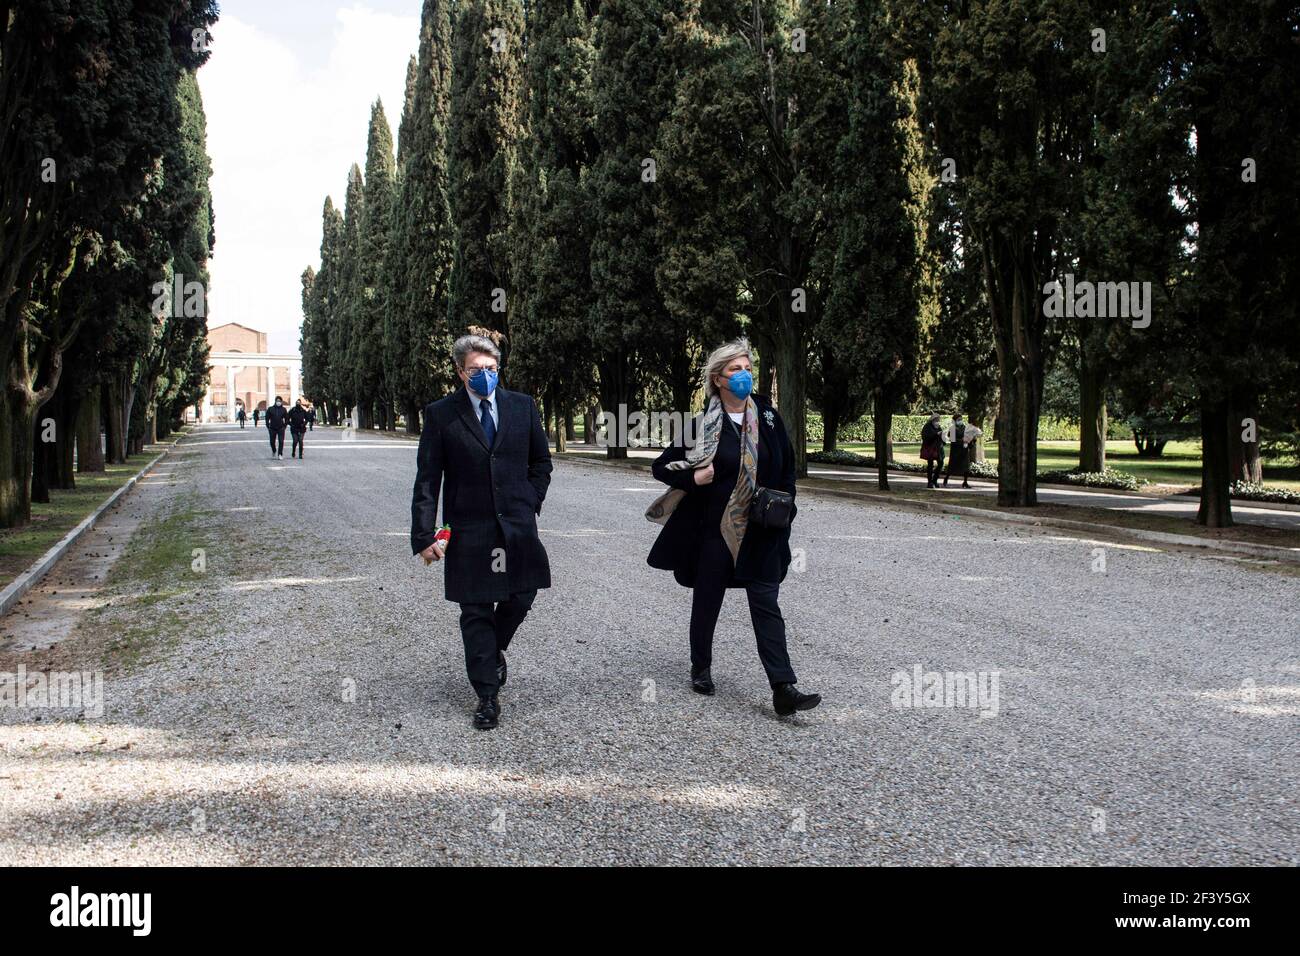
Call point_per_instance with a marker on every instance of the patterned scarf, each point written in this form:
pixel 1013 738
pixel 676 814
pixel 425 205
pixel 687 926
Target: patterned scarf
pixel 735 518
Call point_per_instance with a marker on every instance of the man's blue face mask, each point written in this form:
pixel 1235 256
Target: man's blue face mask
pixel 741 383
pixel 483 382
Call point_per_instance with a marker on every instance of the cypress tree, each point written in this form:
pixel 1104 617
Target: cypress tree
pixel 627 313
pixel 487 57
pixel 366 346
pixel 418 333
pixel 552 226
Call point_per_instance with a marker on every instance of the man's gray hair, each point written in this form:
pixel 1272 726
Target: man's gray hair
pixel 473 343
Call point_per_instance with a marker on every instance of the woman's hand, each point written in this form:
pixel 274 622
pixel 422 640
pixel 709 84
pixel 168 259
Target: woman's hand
pixel 704 476
pixel 433 552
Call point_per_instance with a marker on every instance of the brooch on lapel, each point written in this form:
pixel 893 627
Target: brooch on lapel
pixel 771 420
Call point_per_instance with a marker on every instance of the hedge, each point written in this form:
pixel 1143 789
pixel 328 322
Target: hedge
pixel 907 429
pixel 1110 478
pixel 1250 491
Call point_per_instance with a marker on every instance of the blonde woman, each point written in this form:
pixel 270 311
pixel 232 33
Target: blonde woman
pixel 714 536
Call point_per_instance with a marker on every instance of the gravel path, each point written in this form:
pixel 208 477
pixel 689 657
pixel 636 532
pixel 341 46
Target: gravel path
pixel 302 697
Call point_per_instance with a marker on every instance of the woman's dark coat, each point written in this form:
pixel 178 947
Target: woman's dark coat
pixel 490 497
pixel 764 554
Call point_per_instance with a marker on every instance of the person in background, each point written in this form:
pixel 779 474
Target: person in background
pixel 297 428
pixel 959 435
pixel 311 418
pixel 276 419
pixel 483 451
pixel 257 416
pixel 710 541
pixel 932 450
pixel 241 417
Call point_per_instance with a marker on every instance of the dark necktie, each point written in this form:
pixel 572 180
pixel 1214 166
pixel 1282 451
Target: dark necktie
pixel 489 426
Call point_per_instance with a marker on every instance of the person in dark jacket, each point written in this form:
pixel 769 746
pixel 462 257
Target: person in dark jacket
pixel 932 450
pixel 739 444
pixel 241 417
pixel 959 437
pixel 311 418
pixel 297 428
pixel 484 451
pixel 257 415
pixel 276 419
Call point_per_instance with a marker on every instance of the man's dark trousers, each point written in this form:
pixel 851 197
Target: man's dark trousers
pixel 486 631
pixel 277 434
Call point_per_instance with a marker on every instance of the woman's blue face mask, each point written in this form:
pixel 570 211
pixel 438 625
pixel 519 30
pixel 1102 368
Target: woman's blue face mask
pixel 741 383
pixel 483 381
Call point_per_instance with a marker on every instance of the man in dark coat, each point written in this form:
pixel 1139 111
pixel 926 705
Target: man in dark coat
pixel 484 451
pixel 297 428
pixel 276 420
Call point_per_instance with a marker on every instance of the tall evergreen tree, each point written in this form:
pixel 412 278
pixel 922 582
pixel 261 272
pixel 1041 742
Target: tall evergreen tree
pixel 552 230
pixel 487 76
pixel 344 324
pixel 366 345
pixel 882 300
pixel 1009 100
pixel 628 318
pixel 418 336
pixel 88 90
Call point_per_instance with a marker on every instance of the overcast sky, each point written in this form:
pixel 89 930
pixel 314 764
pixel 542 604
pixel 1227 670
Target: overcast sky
pixel 288 92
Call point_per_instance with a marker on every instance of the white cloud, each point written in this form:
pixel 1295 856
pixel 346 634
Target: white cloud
pixel 282 137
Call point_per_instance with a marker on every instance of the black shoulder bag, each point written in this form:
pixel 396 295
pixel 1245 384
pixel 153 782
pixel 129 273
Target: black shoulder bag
pixel 770 508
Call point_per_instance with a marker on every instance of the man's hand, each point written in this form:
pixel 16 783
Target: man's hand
pixel 704 476
pixel 433 552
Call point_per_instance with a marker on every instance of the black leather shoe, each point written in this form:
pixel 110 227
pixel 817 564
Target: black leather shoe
pixel 487 714
pixel 702 683
pixel 787 699
pixel 501 669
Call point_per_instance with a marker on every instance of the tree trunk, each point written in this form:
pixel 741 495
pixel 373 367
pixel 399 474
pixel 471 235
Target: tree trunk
pixel 65 458
pixel 616 388
pixel 116 430
pixel 830 429
pixel 1245 464
pixel 16 422
pixel 589 419
pixel 412 417
pixel 570 429
pixel 90 448
pixel 43 459
pixel 553 412
pixel 1216 504
pixel 1092 418
pixel 792 390
pixel 1014 301
pixel 882 419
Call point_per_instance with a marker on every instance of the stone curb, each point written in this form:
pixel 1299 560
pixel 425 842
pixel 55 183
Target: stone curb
pixel 20 585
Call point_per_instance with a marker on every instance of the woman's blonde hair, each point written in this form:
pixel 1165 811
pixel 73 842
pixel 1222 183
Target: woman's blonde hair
pixel 718 360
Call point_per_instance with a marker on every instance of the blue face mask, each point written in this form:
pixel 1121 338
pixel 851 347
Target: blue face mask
pixel 741 383
pixel 483 382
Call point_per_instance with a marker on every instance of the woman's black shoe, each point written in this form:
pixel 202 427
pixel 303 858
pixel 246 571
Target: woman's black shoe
pixel 702 683
pixel 487 713
pixel 787 699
